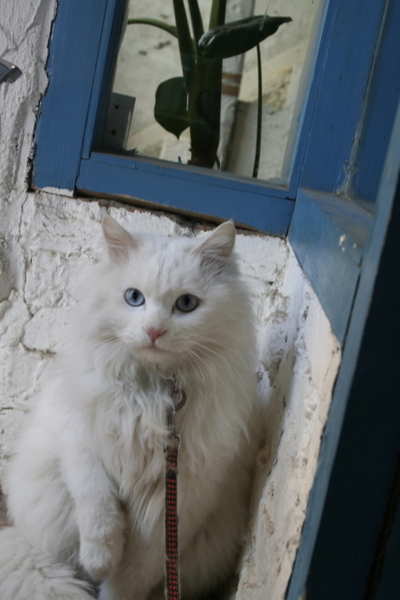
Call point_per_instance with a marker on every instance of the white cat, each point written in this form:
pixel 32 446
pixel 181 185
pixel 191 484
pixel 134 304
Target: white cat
pixel 86 485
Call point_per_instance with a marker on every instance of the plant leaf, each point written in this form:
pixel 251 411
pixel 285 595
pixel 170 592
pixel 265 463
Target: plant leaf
pixel 237 37
pixel 170 108
pixel 197 21
pixel 186 44
pixel 160 24
pixel 217 15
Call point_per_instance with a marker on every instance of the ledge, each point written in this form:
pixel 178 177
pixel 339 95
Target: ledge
pixel 328 235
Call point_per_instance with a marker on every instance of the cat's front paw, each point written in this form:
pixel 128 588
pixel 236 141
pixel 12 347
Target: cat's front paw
pixel 99 557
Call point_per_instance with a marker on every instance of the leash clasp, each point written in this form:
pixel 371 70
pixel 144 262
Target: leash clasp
pixel 173 439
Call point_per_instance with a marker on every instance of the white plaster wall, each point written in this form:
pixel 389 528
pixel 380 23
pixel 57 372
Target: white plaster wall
pixel 299 361
pixel 47 244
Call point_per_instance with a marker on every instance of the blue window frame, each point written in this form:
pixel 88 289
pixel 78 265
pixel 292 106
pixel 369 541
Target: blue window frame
pixel 339 149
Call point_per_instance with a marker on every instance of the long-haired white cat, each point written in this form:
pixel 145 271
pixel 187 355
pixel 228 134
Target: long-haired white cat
pixel 86 484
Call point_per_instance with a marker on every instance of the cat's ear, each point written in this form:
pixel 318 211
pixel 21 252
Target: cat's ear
pixel 217 247
pixel 119 241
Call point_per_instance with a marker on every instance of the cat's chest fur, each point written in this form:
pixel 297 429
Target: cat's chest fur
pixel 128 427
pixel 130 440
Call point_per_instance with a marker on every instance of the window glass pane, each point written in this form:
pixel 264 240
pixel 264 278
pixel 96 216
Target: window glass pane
pixel 182 101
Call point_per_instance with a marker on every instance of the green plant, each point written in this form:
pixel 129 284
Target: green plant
pixel 194 100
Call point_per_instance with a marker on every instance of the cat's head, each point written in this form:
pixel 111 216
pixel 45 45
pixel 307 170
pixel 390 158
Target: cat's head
pixel 168 300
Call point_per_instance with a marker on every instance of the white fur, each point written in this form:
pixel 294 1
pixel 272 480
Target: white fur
pixel 86 485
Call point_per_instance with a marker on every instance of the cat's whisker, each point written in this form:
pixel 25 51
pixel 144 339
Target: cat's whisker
pixel 230 367
pixel 198 366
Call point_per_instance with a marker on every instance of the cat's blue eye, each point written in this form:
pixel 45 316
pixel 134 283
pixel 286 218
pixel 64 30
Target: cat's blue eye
pixel 134 297
pixel 187 303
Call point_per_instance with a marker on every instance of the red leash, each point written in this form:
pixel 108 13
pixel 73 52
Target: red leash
pixel 171 449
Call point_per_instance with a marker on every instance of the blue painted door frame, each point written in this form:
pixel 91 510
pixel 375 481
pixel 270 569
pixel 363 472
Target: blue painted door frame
pixel 350 538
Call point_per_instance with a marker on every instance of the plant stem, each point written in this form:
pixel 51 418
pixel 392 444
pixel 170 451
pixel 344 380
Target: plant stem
pixel 259 114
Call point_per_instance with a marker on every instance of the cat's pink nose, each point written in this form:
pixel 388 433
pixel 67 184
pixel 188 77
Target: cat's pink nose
pixel 154 333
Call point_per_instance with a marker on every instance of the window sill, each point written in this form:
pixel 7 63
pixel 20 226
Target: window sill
pixel 201 192
pixel 328 235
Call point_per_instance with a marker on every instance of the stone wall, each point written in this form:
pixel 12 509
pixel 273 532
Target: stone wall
pixel 49 241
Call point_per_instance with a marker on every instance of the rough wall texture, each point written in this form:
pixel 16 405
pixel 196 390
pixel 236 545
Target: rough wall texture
pixel 47 243
pixel 299 360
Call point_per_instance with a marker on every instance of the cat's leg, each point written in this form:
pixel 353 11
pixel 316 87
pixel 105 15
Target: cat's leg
pixel 38 500
pixel 140 570
pixel 210 557
pixel 207 558
pixel 39 554
pixel 98 511
pixel 209 550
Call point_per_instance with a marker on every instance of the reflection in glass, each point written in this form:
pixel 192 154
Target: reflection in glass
pixel 203 103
